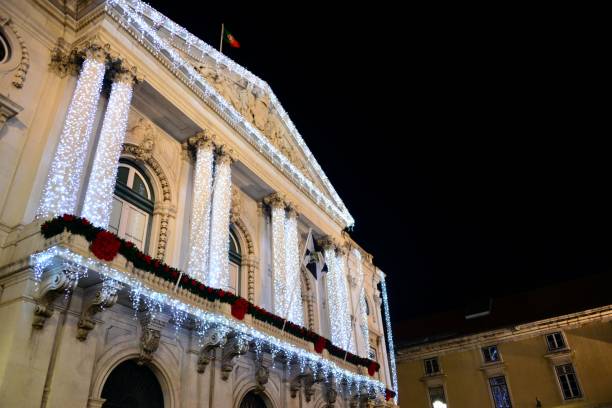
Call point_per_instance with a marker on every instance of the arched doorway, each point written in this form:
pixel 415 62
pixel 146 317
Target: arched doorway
pixel 252 400
pixel 131 385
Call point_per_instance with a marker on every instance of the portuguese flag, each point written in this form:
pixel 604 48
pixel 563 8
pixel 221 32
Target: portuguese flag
pixel 230 39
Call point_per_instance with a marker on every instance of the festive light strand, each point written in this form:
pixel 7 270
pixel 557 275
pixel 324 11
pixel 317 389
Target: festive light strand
pixel 363 308
pixel 64 181
pixel 218 275
pixel 199 239
pixel 157 302
pixel 144 23
pixel 99 197
pixel 279 268
pixel 293 311
pixel 383 286
pixel 337 297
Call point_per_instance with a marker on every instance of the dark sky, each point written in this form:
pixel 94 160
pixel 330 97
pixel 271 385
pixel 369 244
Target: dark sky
pixel 470 145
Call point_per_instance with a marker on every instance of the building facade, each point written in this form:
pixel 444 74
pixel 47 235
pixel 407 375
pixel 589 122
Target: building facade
pixel 564 360
pixel 166 237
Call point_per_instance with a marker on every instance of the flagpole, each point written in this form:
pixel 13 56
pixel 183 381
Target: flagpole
pixel 221 40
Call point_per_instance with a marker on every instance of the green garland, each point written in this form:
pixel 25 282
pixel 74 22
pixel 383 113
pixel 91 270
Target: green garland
pixel 105 245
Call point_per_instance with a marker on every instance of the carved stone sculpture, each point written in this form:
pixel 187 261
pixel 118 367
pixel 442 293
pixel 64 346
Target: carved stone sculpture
pixel 213 339
pixel 151 334
pixel 233 348
pixel 104 298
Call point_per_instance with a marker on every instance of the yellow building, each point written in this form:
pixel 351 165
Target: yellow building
pixel 546 348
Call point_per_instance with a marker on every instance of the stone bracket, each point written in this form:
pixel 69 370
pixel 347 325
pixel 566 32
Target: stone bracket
pixel 152 326
pixel 104 298
pixel 214 339
pixel 59 281
pixel 234 347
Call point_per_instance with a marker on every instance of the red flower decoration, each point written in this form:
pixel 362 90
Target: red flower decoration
pixel 194 282
pixel 85 221
pixel 239 308
pixel 320 344
pixel 185 279
pixel 105 246
pixel 129 244
pixel 202 286
pixel 373 368
pixel 389 394
pixel 68 217
pixel 221 293
pixel 209 290
pixel 147 259
pixel 174 274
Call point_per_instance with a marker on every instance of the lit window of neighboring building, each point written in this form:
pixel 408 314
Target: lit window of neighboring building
pixel 499 391
pixel 555 341
pixel 432 366
pixel 490 354
pixel 437 397
pixel 568 381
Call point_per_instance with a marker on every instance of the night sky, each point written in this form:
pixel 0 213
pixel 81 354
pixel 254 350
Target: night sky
pixel 468 144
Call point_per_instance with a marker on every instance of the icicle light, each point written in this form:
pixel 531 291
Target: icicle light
pixel 64 181
pixel 218 276
pixel 200 212
pixel 294 311
pixel 337 297
pixel 99 197
pixel 281 291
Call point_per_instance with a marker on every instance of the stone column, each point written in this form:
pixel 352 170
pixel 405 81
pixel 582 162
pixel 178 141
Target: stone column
pixel 218 274
pixel 294 311
pixel 63 183
pixel 199 242
pixel 99 197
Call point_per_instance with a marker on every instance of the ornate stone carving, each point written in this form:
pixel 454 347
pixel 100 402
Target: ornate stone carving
pixel 145 132
pixel 262 374
pixel 330 394
pixel 8 110
pixel 233 348
pixel 214 338
pixel 224 155
pixel 308 383
pixel 275 200
pixel 151 334
pixel 59 281
pixel 24 62
pixel 236 207
pixel 104 298
pixel 327 242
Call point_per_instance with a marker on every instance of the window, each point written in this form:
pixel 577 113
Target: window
pixel 235 257
pixel 132 206
pixel 568 381
pixel 437 397
pixel 432 366
pixel 372 354
pixel 490 354
pixel 5 50
pixel 367 305
pixel 555 341
pixel 499 392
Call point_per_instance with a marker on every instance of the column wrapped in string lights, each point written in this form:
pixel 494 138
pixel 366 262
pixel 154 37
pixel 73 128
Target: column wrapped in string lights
pixel 362 307
pixel 62 187
pixel 337 293
pixel 218 274
pixel 99 197
pixel 293 311
pixel 201 206
pixel 279 255
pixel 383 287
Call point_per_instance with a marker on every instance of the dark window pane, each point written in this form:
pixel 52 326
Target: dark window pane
pixel 122 175
pixel 139 186
pixel 499 390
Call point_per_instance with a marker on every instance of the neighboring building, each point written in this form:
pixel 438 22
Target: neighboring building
pixel 111 112
pixel 550 347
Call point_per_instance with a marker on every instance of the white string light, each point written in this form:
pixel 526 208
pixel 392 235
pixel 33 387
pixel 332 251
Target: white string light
pixel 99 197
pixel 383 286
pixel 200 212
pixel 293 301
pixel 64 181
pixel 279 268
pixel 144 23
pixel 337 296
pixel 218 275
pixel 363 308
pixel 157 301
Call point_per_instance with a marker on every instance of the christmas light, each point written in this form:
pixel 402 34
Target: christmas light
pixel 293 311
pixel 279 269
pixel 200 212
pixel 363 308
pixel 383 286
pixel 162 37
pixel 158 303
pixel 218 274
pixel 338 300
pixel 64 181
pixel 99 197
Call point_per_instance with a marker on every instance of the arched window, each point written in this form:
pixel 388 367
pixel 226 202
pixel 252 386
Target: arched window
pixel 132 205
pixel 130 385
pixel 5 49
pixel 253 400
pixel 235 257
